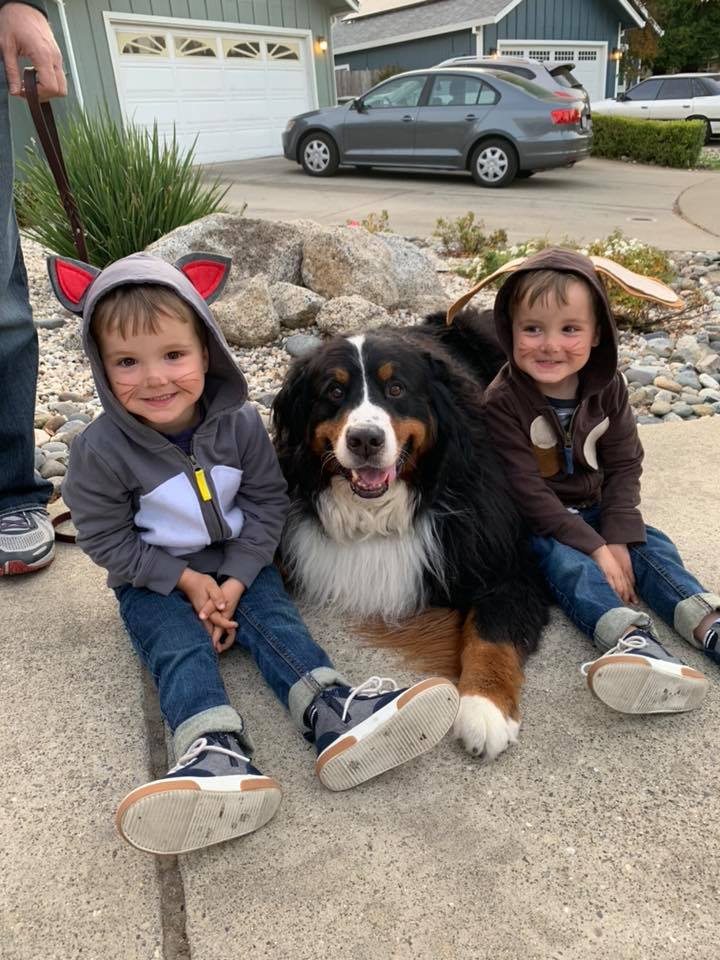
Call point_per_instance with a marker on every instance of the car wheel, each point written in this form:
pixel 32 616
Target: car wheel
pixel 494 163
pixel 708 131
pixel 525 174
pixel 319 155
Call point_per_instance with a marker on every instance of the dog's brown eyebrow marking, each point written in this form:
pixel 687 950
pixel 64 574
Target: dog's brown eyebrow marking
pixel 342 376
pixel 385 371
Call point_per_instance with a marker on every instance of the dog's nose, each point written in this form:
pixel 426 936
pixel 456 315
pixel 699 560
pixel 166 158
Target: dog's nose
pixel 365 441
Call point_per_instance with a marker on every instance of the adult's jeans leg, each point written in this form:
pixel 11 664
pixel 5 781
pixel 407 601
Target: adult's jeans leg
pixel 295 667
pixel 581 590
pixel 668 587
pixel 175 647
pixel 19 488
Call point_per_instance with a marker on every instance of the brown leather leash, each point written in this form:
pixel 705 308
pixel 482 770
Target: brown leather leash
pixel 47 132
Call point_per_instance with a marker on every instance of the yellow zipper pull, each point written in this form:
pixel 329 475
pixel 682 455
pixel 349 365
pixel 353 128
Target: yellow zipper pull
pixel 202 484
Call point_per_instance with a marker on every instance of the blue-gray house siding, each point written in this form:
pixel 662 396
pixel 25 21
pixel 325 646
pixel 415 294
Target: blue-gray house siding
pixel 556 20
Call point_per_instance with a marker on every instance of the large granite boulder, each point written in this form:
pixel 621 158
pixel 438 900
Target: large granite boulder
pixel 255 246
pixel 296 306
pixel 247 317
pixel 343 314
pixel 384 269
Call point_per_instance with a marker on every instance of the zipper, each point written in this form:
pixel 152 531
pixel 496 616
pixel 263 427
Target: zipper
pixel 567 440
pixel 203 486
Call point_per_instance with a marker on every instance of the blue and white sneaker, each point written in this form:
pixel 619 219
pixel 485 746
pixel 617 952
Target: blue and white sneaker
pixel 360 732
pixel 639 676
pixel 711 642
pixel 212 794
pixel 27 541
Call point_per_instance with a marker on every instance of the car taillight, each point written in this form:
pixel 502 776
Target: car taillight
pixel 566 117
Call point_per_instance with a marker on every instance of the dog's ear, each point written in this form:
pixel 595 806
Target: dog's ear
pixel 207 272
pixel 71 280
pixel 290 412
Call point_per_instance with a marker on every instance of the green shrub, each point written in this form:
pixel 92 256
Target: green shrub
pixel 630 312
pixel 131 187
pixel 463 237
pixel 376 222
pixel 668 143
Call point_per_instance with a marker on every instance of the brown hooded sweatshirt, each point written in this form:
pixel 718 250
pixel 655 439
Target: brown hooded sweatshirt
pixel 598 460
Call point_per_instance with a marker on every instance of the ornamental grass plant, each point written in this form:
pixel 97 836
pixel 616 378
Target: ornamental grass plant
pixel 131 186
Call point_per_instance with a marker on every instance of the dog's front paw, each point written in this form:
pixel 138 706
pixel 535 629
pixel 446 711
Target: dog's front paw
pixel 483 728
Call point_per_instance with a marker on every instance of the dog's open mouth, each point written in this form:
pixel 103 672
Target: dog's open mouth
pixel 370 482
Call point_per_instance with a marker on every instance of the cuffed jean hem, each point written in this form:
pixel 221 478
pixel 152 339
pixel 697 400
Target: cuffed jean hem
pixel 689 613
pixel 615 623
pixel 303 692
pixel 221 719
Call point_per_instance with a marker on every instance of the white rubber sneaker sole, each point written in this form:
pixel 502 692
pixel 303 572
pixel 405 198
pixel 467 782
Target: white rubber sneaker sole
pixel 408 726
pixel 176 816
pixel 634 684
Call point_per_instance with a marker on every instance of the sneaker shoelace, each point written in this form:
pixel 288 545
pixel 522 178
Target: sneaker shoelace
pixel 14 523
pixel 622 646
pixel 373 686
pixel 202 746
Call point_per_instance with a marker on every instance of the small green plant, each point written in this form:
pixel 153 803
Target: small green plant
pixel 668 143
pixel 709 160
pixel 131 187
pixel 464 237
pixel 630 312
pixel 373 222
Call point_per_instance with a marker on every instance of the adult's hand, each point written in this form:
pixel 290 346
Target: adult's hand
pixel 24 32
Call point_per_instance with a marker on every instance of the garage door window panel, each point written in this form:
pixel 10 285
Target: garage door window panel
pixel 242 50
pixel 195 46
pixel 144 45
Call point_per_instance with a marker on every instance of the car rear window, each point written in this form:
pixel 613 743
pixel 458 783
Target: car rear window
pixel 706 87
pixel 565 77
pixel 527 86
pixel 676 88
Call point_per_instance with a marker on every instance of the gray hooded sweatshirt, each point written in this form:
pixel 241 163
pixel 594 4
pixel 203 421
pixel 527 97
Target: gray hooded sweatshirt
pixel 143 509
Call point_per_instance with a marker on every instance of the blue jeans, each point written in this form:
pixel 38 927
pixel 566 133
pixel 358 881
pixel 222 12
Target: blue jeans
pixel 175 647
pixel 19 487
pixel 662 581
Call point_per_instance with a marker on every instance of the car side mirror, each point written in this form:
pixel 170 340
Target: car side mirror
pixel 621 97
pixel 359 105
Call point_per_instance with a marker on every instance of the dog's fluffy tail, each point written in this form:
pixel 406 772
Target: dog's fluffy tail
pixel 432 640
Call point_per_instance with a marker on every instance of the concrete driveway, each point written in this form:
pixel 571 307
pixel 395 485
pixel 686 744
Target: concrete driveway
pixel 672 209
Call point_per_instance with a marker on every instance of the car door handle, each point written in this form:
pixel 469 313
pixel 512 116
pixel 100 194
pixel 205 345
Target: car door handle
pixel 470 116
pixel 686 106
pixel 408 118
pixel 644 108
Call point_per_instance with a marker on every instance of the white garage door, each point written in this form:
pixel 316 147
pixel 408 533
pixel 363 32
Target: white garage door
pixel 232 90
pixel 590 61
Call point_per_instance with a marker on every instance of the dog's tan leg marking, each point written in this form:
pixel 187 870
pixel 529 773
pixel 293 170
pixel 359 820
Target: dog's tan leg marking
pixel 490 682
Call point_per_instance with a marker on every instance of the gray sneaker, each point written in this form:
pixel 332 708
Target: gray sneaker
pixel 639 676
pixel 360 732
pixel 212 794
pixel 27 541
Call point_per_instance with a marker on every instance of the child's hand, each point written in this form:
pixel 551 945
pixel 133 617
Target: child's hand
pixel 622 556
pixel 614 573
pixel 207 598
pixel 232 591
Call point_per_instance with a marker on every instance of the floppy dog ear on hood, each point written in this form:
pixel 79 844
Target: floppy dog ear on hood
pixel 637 284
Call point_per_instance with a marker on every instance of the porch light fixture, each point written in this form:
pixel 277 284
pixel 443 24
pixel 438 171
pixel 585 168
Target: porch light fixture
pixel 616 54
pixel 322 43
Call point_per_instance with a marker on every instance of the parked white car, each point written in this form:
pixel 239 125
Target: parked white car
pixel 682 96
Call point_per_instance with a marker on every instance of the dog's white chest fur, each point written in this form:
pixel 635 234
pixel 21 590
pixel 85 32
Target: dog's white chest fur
pixel 365 557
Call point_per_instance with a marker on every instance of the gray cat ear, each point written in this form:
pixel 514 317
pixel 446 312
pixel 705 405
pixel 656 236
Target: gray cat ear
pixel 647 288
pixel 71 280
pixel 207 272
pixel 510 267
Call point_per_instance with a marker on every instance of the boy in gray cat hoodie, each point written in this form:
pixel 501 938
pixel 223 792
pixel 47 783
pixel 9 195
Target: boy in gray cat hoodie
pixel 176 491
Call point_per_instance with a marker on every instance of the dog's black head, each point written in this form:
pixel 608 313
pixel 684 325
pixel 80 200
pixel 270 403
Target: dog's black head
pixel 372 409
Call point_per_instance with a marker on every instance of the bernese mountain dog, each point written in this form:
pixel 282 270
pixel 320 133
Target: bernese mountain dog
pixel 401 513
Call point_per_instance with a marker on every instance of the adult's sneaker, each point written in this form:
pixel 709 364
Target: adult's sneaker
pixel 212 794
pixel 639 676
pixel 27 541
pixel 360 732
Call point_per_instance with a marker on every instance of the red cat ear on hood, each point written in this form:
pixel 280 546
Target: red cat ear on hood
pixel 207 272
pixel 71 280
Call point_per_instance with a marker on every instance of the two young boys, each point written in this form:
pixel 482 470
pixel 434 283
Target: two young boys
pixel 560 417
pixel 176 491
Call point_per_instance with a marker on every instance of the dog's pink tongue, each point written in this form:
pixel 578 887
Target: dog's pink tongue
pixel 372 477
